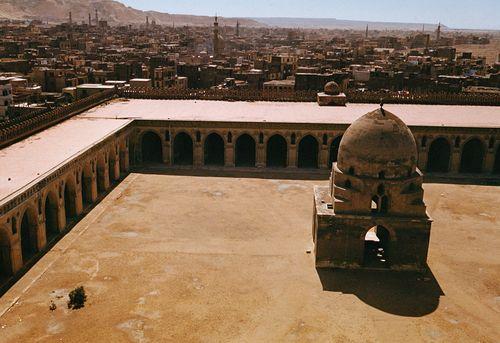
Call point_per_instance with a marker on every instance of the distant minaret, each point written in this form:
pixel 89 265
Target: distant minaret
pixel 216 41
pixel 237 28
pixel 423 28
pixel 438 32
pixel 147 21
pixel 96 18
pixel 366 32
pixel 90 19
pixel 70 18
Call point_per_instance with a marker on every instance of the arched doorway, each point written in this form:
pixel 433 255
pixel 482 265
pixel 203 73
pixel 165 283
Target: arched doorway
pixel 29 241
pixel 308 152
pixel 183 150
pixel 438 159
pixel 51 216
pixel 214 150
pixel 86 182
pixel 101 175
pixel 472 157
pixel 276 152
pixel 151 146
pixel 496 166
pixel 377 248
pixel 70 199
pixel 334 151
pixel 245 151
pixel 5 260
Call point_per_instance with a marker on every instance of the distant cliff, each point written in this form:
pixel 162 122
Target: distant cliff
pixel 57 11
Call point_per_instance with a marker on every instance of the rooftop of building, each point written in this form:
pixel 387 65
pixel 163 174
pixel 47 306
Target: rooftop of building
pixel 295 112
pixel 33 158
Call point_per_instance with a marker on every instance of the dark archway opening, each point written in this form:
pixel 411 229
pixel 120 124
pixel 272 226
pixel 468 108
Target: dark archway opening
pixel 308 152
pixel 70 200
pixel 472 157
pixel 439 156
pixel 496 166
pixel 245 151
pixel 51 217
pixel 183 150
pixel 214 150
pixel 5 260
pixel 86 182
pixel 101 176
pixel 29 245
pixel 334 151
pixel 151 148
pixel 277 152
pixel 377 246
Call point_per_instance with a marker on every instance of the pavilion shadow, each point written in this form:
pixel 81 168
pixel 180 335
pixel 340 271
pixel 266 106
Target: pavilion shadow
pixel 408 294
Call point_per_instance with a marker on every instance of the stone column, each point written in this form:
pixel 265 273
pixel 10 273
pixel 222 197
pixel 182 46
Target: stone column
pixel 489 161
pixel 124 160
pixel 16 257
pixel 40 231
pixel 260 159
pixel 198 155
pixel 229 155
pixel 167 153
pixel 116 167
pixel 292 156
pixel 455 161
pixel 323 157
pixel 79 199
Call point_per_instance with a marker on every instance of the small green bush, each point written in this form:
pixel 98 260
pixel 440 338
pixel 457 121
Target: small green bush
pixel 77 298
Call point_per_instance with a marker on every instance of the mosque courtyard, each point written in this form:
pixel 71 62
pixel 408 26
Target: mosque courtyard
pixel 216 259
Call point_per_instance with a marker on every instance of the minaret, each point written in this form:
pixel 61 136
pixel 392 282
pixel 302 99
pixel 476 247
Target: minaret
pixel 237 28
pixel 70 18
pixel 438 32
pixel 366 32
pixel 96 18
pixel 90 19
pixel 216 42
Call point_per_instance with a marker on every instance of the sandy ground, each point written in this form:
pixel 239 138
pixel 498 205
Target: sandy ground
pixel 199 259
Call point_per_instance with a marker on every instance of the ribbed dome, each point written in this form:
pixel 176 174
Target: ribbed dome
pixel 378 145
pixel 332 88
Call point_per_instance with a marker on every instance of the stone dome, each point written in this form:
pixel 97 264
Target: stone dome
pixel 378 145
pixel 332 88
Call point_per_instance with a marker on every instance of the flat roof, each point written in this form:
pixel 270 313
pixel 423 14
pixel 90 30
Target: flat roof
pixel 24 163
pixel 294 112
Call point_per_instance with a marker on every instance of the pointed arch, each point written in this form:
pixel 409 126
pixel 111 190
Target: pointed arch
pixel 308 152
pixel 245 151
pixel 51 216
pixel 439 156
pixel 276 152
pixel 472 157
pixel 29 234
pixel 214 150
pixel 183 149
pixel 6 269
pixel 151 148
pixel 70 198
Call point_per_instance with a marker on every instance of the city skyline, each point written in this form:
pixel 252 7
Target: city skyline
pixel 482 14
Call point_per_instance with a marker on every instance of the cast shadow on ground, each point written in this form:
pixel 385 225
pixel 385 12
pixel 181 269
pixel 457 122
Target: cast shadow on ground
pixel 408 294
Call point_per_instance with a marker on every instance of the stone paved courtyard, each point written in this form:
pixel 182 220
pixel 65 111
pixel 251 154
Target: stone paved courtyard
pixel 191 259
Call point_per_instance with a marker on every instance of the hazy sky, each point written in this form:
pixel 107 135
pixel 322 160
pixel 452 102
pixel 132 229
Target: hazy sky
pixel 484 14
